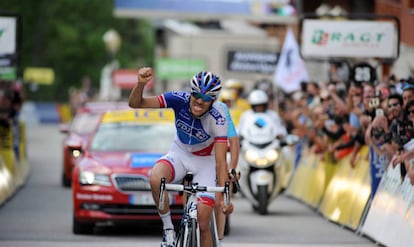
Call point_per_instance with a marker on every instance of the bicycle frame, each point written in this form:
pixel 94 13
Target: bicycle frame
pixel 189 233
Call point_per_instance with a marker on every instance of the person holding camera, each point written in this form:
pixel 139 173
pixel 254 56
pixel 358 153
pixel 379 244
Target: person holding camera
pixel 377 135
pixel 404 134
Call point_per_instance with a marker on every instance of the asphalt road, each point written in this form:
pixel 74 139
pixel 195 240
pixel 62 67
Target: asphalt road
pixel 40 214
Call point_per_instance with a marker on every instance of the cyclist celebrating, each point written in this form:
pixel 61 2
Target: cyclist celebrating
pixel 200 145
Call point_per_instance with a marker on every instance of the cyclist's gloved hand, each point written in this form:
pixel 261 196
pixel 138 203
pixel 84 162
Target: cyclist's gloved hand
pixel 145 74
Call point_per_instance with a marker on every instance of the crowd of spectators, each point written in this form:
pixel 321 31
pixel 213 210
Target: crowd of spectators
pixel 11 101
pixel 337 119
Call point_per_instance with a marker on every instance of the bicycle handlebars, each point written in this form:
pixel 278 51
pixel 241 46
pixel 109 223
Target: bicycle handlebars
pixel 193 188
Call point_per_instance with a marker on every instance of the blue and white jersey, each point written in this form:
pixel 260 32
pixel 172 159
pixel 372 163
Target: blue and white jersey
pixel 195 135
pixel 231 130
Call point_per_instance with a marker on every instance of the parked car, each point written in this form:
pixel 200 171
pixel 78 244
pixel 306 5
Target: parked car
pixel 110 183
pixel 79 130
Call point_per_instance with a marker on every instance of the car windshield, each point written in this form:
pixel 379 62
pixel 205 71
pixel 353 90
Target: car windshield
pixel 133 137
pixel 84 123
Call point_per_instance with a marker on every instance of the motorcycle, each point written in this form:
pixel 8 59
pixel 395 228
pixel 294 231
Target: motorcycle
pixel 265 162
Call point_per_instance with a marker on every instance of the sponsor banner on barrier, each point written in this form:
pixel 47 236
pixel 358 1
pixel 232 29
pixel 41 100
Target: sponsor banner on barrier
pixel 348 192
pixel 390 219
pixel 308 180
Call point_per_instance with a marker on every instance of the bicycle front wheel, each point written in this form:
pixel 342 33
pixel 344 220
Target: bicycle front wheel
pixel 192 236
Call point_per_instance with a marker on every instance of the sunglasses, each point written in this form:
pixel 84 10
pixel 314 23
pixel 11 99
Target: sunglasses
pixel 393 105
pixel 204 97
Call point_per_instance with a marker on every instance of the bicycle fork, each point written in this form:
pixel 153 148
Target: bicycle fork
pixel 192 222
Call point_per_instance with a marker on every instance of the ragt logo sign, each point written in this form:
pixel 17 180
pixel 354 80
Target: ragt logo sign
pixel 322 37
pixel 349 38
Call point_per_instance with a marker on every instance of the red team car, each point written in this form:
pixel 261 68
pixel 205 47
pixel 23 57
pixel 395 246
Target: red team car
pixel 79 131
pixel 110 183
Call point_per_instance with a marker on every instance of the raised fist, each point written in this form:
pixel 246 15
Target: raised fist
pixel 144 75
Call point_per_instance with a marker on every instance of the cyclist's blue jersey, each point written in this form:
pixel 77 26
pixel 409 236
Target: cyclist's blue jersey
pixel 231 129
pixel 195 135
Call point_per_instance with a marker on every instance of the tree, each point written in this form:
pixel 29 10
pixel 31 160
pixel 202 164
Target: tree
pixel 66 35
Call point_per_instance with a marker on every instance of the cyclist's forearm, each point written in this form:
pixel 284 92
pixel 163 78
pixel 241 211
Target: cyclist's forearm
pixel 135 97
pixel 234 152
pixel 221 163
pixel 222 175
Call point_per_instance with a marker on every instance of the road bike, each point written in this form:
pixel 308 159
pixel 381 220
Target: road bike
pixel 189 232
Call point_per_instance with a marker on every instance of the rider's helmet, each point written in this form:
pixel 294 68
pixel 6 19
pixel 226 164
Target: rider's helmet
pixel 227 95
pixel 236 85
pixel 233 84
pixel 258 97
pixel 206 83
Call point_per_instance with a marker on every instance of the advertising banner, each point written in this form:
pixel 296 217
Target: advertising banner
pixel 176 68
pixel 8 34
pixel 125 78
pixel 45 76
pixel 349 38
pixel 261 62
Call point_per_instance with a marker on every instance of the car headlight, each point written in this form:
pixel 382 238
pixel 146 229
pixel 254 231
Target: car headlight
pixel 76 153
pixel 90 178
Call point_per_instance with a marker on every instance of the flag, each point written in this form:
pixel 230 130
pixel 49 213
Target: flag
pixel 290 69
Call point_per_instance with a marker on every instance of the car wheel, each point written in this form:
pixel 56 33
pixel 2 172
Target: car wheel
pixel 82 227
pixel 66 182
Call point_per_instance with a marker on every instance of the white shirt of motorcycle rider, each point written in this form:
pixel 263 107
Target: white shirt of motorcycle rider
pixel 269 116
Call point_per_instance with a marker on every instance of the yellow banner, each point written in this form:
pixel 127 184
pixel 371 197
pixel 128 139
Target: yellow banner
pixel 44 76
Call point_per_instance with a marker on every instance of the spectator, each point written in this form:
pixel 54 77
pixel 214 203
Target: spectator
pixel 318 140
pixel 5 105
pixel 408 91
pixel 405 139
pixel 355 104
pixel 79 97
pixel 313 91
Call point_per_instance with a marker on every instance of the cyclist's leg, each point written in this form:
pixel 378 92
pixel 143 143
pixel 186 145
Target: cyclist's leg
pixel 204 216
pixel 204 171
pixel 170 167
pixel 161 169
pixel 220 219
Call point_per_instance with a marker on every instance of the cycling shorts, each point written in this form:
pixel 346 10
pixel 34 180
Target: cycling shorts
pixel 203 169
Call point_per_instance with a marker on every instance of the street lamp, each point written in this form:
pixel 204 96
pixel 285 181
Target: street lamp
pixel 108 91
pixel 112 41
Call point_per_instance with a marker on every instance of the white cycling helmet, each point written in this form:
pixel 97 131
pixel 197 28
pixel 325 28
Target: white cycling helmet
pixel 206 83
pixel 258 97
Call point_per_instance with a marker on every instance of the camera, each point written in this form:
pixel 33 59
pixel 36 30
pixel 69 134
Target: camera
pixel 374 103
pixel 377 132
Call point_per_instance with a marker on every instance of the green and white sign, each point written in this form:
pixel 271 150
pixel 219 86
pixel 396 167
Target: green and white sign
pixel 8 73
pixel 8 27
pixel 349 38
pixel 175 68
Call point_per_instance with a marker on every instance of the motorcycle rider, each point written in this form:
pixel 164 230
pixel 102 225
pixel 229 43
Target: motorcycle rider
pixel 259 103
